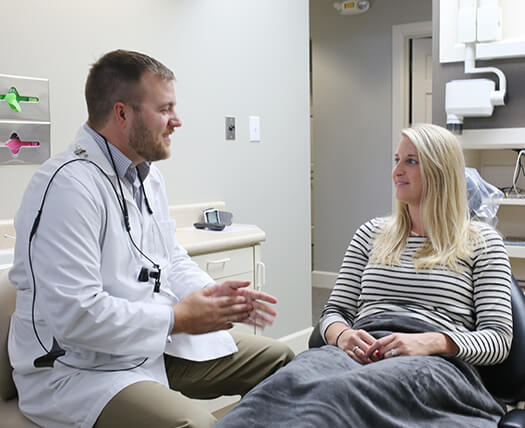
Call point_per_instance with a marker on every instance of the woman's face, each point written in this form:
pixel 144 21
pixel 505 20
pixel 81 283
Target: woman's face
pixel 406 174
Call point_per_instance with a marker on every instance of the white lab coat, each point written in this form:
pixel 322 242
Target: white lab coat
pixel 88 294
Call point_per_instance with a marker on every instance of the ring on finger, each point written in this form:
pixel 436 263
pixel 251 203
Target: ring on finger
pixel 356 347
pixel 393 352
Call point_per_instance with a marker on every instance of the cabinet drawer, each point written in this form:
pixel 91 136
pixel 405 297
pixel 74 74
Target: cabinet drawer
pixel 226 263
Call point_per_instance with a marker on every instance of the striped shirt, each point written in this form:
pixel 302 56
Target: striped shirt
pixel 472 307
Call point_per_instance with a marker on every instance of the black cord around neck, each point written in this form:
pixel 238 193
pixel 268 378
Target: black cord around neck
pixel 124 205
pixel 125 213
pixel 56 351
pixel 150 211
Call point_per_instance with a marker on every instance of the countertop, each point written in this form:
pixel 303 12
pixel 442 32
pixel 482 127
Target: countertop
pixel 197 241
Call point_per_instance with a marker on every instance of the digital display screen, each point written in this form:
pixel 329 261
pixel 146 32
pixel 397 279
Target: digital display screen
pixel 212 217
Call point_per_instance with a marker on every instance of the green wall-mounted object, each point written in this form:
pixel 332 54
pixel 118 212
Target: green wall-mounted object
pixel 13 98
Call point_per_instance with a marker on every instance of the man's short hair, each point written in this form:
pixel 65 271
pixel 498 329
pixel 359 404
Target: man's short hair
pixel 116 77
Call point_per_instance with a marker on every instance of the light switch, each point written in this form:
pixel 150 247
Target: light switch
pixel 255 128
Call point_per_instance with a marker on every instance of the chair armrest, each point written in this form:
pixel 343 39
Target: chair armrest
pixel 513 419
pixel 316 341
pixel 506 381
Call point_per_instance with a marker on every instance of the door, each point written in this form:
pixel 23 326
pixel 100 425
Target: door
pixel 421 81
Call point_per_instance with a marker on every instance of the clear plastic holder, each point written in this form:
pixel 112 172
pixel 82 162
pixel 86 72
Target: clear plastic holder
pixel 483 197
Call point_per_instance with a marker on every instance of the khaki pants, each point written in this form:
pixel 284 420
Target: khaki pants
pixel 150 404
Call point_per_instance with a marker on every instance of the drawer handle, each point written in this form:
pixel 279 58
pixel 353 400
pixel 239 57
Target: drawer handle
pixel 218 262
pixel 261 276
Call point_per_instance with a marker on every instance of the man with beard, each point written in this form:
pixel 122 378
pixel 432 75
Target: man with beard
pixel 103 285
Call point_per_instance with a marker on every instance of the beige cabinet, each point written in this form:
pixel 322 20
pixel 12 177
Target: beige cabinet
pixel 234 253
pixel 231 254
pixel 228 264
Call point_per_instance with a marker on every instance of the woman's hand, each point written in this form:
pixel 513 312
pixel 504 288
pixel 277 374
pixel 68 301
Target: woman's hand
pixel 398 344
pixel 356 343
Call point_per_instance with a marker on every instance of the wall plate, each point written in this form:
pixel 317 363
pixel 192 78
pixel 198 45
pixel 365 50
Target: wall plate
pixel 230 127
pixel 30 87
pixel 26 131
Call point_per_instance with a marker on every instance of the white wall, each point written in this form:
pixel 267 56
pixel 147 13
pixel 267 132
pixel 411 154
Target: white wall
pixel 230 57
pixel 352 118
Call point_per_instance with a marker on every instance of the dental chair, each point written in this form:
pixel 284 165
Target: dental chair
pixel 10 415
pixel 505 381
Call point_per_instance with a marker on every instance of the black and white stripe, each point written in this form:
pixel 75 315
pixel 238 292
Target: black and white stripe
pixel 472 307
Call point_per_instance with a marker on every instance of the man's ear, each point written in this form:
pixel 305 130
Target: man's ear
pixel 121 114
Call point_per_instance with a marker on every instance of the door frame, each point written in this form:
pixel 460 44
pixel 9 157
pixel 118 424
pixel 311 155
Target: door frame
pixel 401 36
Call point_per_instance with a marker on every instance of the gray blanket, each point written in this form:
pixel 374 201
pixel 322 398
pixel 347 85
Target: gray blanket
pixel 324 387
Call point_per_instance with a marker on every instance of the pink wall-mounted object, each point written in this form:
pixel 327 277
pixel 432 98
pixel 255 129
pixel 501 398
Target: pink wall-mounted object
pixel 15 144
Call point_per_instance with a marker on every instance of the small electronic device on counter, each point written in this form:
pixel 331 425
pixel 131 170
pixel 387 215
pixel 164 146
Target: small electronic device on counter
pixel 214 220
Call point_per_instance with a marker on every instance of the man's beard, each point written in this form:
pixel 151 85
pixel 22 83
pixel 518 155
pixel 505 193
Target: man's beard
pixel 145 144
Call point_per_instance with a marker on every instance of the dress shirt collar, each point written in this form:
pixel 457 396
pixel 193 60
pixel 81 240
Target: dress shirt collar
pixel 125 168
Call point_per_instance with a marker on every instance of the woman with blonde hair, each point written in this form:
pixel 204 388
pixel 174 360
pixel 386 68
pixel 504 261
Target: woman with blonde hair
pixel 422 297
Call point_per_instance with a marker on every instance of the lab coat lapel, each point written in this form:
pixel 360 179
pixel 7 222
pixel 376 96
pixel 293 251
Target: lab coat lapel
pixel 93 152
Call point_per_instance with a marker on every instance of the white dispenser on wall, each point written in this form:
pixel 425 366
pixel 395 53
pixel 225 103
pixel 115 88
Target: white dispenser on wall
pixel 24 120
